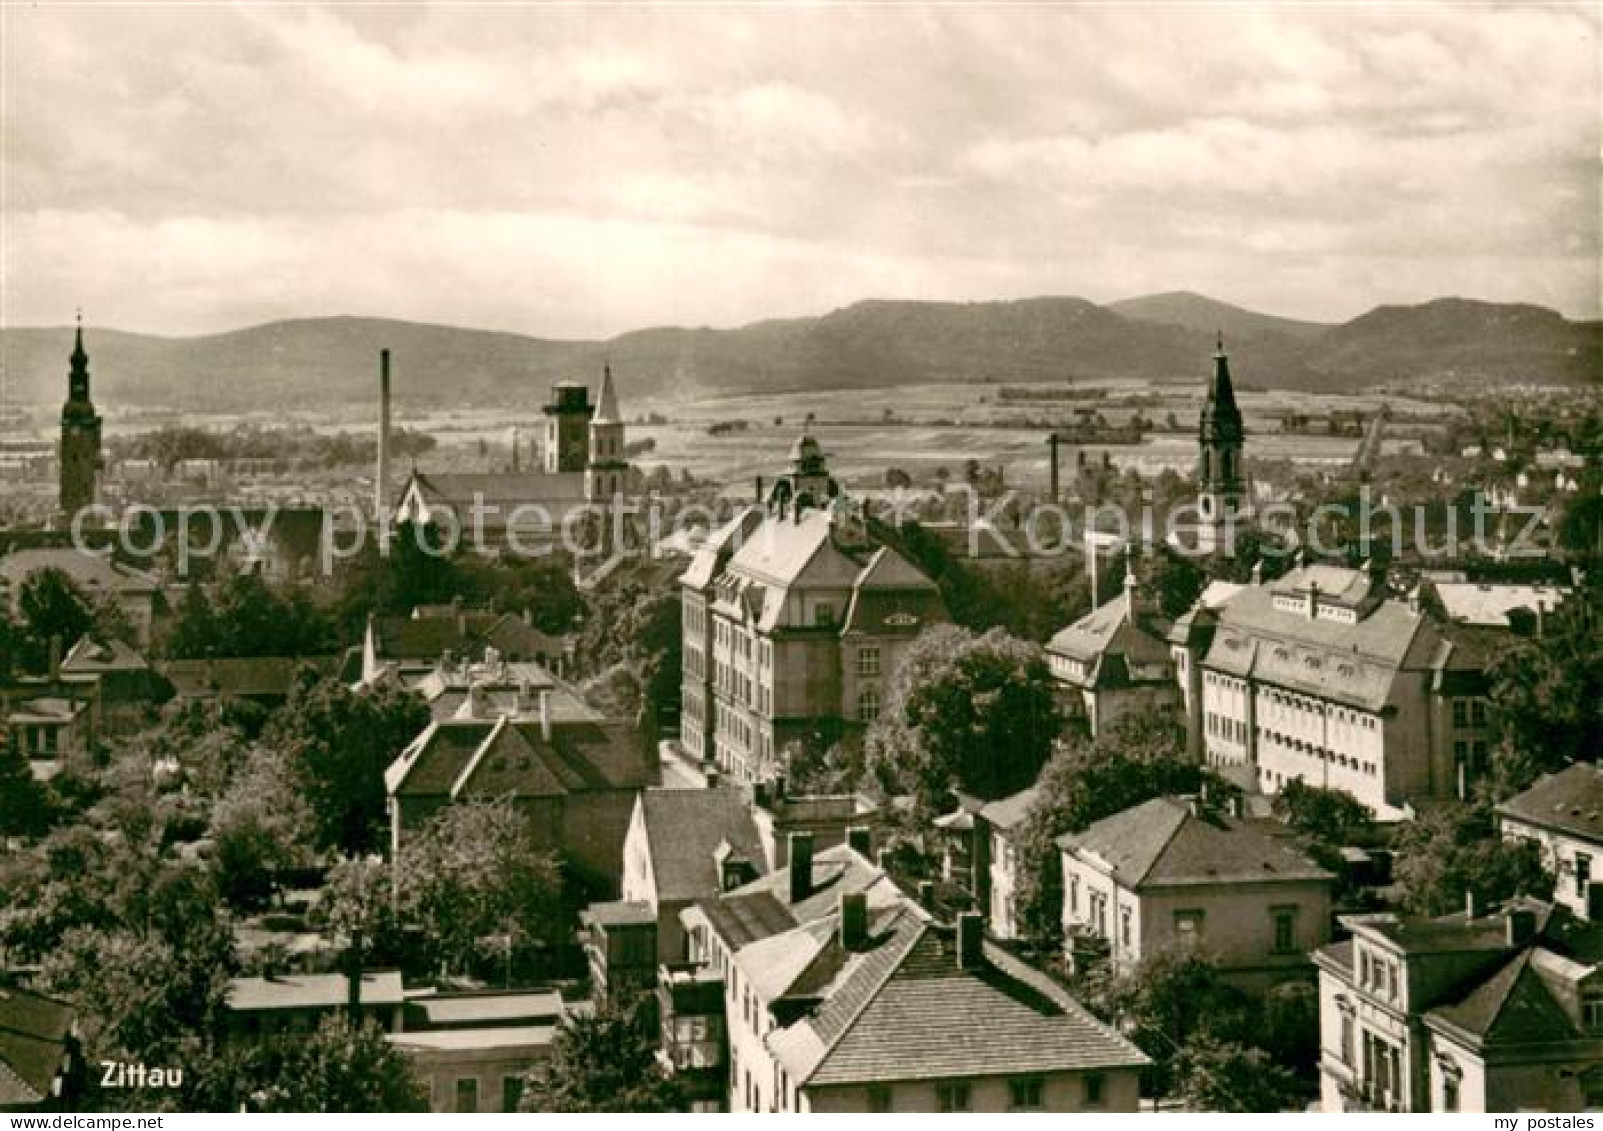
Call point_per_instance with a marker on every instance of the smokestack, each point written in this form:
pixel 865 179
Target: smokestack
pixel 801 866
pixel 516 453
pixel 861 840
pixel 1052 443
pixel 381 476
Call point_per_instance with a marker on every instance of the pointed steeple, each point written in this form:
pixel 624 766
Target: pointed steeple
pixel 78 373
pixel 1221 418
pixel 607 399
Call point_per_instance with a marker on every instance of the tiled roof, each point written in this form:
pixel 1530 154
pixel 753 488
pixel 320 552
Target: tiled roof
pixel 683 829
pixel 240 675
pixel 904 1010
pixel 764 907
pixel 33 1041
pixel 1162 842
pixel 1513 1006
pixel 1570 801
pixel 482 758
pixel 1009 811
pixel 1107 630
pixel 704 564
pixel 429 638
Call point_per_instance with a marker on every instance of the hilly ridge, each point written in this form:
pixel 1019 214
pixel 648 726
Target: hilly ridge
pixel 870 343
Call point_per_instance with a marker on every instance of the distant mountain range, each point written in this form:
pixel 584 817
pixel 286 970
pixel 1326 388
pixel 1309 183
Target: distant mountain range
pixel 873 343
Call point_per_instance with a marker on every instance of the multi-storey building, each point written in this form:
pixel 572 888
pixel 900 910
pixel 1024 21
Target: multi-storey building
pixel 1175 874
pixel 1114 662
pixel 1466 1012
pixel 794 621
pixel 1323 676
pixel 842 994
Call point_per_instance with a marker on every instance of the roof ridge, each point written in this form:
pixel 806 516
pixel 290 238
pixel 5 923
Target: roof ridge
pixel 478 756
pixel 921 930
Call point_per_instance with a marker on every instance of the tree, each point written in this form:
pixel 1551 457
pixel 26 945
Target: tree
pixel 54 611
pixel 1547 699
pixel 195 634
pixel 24 802
pixel 344 1066
pixel 472 872
pixel 605 1061
pixel 1225 1076
pixel 261 827
pixel 1329 819
pixel 976 713
pixel 1448 853
pixel 340 742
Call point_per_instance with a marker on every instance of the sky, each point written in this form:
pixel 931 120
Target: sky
pixel 581 171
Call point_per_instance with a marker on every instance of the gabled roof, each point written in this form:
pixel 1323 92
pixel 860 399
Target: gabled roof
pixel 708 558
pixel 34 1033
pixel 1009 811
pixel 1109 633
pixel 485 758
pixel 1514 1006
pixel 430 637
pixel 110 655
pixel 241 676
pixel 763 907
pixel 1162 842
pixel 684 827
pixel 903 1009
pixel 1570 801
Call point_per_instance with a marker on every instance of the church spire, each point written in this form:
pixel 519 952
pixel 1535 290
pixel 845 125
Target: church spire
pixel 606 399
pixel 78 367
pixel 1221 418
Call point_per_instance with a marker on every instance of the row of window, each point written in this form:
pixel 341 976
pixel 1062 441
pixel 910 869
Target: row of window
pixel 1222 726
pixel 1469 713
pixel 1300 746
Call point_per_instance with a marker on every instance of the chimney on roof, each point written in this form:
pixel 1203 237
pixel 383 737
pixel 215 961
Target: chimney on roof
pixel 545 714
pixel 1519 925
pixel 759 490
pixel 55 658
pixel 1594 901
pixel 926 894
pixel 1469 903
pixel 801 866
pixel 860 838
pixel 1313 599
pixel 853 920
pixel 970 940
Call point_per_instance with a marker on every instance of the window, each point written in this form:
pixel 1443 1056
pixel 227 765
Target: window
pixel 1461 713
pixel 824 614
pixel 1583 873
pixel 867 705
pixel 1026 1093
pixel 879 1098
pixel 1592 1011
pixel 511 1092
pixel 868 661
pixel 1093 1090
pixel 1188 928
pixel 1449 1091
pixel 1285 929
pixel 1347 1039
pixel 467 1093
pixel 952 1097
pixel 1477 713
pixel 1124 927
pixel 1074 894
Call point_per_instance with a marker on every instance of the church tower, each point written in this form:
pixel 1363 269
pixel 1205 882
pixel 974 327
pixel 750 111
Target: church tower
pixel 604 474
pixel 79 456
pixel 1222 491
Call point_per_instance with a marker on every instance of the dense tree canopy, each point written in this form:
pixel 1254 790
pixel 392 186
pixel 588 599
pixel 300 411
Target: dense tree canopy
pixel 604 1062
pixel 1452 852
pixel 965 712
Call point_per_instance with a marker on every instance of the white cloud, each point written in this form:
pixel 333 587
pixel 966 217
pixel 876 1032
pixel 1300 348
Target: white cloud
pixel 586 170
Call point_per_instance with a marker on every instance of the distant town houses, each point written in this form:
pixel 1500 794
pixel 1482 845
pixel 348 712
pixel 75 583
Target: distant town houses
pixel 793 621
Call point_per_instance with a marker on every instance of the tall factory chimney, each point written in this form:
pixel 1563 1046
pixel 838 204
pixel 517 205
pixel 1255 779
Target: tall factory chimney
pixel 381 476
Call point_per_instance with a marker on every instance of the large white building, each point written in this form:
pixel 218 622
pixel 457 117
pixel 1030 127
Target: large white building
pixel 1323 676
